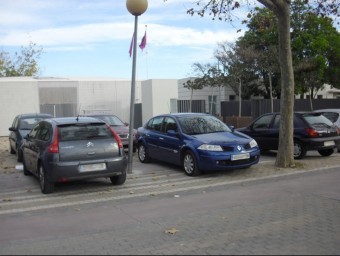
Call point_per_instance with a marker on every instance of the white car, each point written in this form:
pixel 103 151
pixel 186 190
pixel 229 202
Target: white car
pixel 332 114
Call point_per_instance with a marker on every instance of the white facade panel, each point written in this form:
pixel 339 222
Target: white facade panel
pixel 110 96
pixel 220 93
pixel 156 96
pixel 16 98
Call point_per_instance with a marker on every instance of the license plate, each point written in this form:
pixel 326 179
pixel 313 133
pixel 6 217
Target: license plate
pixel 240 156
pixel 92 167
pixel 329 143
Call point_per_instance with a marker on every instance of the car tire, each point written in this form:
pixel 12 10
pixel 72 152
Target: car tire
pixel 299 150
pixel 143 155
pixel 26 171
pixel 326 152
pixel 45 186
pixel 190 165
pixel 119 179
pixel 19 155
pixel 11 150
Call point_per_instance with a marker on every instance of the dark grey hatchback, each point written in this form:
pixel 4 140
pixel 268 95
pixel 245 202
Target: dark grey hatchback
pixel 73 148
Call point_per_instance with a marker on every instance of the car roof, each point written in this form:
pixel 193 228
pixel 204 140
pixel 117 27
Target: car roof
pixel 35 115
pixel 185 114
pixel 72 120
pixel 337 110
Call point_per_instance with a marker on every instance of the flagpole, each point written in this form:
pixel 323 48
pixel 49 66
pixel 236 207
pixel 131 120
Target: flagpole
pixel 146 57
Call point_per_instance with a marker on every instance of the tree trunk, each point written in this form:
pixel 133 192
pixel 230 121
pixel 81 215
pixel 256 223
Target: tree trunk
pixel 240 97
pixel 271 91
pixel 192 92
pixel 285 154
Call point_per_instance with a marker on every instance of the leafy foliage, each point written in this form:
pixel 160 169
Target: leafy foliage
pixel 24 63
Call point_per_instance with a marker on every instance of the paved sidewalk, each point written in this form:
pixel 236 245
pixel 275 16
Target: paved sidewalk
pixel 266 167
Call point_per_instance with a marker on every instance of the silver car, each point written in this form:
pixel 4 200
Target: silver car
pixel 73 148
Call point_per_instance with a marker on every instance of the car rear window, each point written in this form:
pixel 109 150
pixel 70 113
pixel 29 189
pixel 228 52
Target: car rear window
pixel 84 132
pixel 317 119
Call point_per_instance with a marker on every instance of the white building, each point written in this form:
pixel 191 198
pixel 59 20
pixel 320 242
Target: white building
pixel 73 96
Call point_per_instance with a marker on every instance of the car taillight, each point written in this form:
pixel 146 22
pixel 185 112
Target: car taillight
pixel 312 133
pixel 54 147
pixel 120 144
pixel 338 130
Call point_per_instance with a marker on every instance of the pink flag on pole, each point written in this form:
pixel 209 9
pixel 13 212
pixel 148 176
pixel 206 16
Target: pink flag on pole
pixel 131 44
pixel 143 42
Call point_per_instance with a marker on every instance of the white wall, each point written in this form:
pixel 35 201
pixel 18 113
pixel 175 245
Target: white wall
pixel 222 94
pixel 17 96
pixel 112 95
pixel 156 95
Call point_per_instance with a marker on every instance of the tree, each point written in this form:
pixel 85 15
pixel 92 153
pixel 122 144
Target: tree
pixel 262 36
pixel 24 63
pixel 235 60
pixel 314 46
pixel 281 8
pixel 209 76
pixel 195 84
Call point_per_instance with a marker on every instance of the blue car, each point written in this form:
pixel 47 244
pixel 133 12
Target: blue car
pixel 198 142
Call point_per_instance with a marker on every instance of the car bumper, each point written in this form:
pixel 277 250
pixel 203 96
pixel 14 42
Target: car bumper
pixel 319 143
pixel 222 161
pixel 69 171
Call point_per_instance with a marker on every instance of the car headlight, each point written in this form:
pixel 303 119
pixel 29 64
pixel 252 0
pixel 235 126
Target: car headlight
pixel 253 143
pixel 210 147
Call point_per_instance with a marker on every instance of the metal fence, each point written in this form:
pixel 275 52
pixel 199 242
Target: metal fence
pixel 198 106
pixel 255 108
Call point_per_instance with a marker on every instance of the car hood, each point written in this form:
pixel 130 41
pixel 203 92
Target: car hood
pixel 223 138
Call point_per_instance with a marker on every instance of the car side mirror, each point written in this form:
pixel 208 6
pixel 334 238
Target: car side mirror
pixel 232 127
pixel 126 124
pixel 12 129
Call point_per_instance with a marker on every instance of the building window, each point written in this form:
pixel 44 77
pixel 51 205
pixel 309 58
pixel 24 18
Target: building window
pixel 232 97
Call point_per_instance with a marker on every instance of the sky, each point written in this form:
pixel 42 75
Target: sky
pixel 86 38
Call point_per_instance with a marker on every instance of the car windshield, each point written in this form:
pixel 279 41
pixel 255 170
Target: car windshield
pixel 202 124
pixel 318 120
pixel 111 120
pixel 83 132
pixel 28 123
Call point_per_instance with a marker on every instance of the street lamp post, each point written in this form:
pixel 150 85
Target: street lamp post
pixel 136 8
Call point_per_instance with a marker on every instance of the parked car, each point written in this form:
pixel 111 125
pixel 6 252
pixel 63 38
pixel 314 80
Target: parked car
pixel 312 131
pixel 21 126
pixel 332 114
pixel 73 148
pixel 198 142
pixel 120 127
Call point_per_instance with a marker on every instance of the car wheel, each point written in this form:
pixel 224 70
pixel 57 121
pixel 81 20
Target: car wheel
pixel 326 152
pixel 12 151
pixel 143 155
pixel 189 164
pixel 19 155
pixel 299 150
pixel 119 179
pixel 45 186
pixel 26 171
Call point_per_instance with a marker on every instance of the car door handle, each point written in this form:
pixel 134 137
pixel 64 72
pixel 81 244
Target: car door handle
pixel 91 153
pixel 161 138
